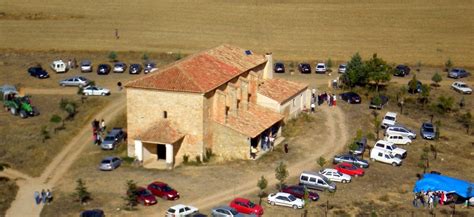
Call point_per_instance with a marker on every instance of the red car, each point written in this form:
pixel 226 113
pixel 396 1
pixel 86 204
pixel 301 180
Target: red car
pixel 349 169
pixel 246 206
pixel 163 190
pixel 144 196
pixel 298 191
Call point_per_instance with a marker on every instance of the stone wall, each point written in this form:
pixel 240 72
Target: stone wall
pixel 145 108
pixel 229 144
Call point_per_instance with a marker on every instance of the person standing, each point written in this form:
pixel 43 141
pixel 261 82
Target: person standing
pixel 286 148
pixel 69 64
pixel 313 106
pixel 43 196
pixel 37 198
pixel 102 125
pixel 272 141
pixel 328 99
pixel 49 196
pixel 334 98
pixel 253 152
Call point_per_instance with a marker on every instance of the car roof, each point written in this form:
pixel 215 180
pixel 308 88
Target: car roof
pixel 224 207
pixel 393 114
pixel 241 199
pixel 459 82
pixel 159 183
pixel 345 164
pixel 109 158
pixel 85 61
pixel 427 124
pixel 283 193
pixel 179 206
pixel 384 142
pixel 330 170
pixel 58 61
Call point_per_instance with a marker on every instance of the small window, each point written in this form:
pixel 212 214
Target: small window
pixel 165 114
pixel 304 178
pixel 312 179
pixel 380 154
pixel 320 182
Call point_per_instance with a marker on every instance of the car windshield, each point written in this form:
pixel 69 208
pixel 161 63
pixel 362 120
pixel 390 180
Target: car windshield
pixel 109 138
pixel 389 118
pixel 144 192
pixel 233 212
pixel 166 188
pixel 338 173
pixel 326 180
pixel 105 161
pixel 429 129
pixel 251 205
pixel 462 85
pixel 394 147
pixel 292 198
pixel 170 210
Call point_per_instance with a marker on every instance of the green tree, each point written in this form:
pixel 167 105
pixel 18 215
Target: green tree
pixel 436 79
pixel 352 146
pixel 113 56
pixel 401 95
pixel 329 63
pixel 377 123
pixel 4 166
pixel 81 194
pixel 413 85
pixel 438 129
pixel 281 173
pixel 306 199
pixel 448 64
pixel 378 71
pixel 145 57
pixel 321 161
pixel 355 72
pixel 45 133
pixel 69 107
pixel 444 104
pixel 425 94
pixel 131 198
pixel 466 121
pixel 262 185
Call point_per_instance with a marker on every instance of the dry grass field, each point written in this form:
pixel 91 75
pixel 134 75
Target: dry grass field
pixel 401 31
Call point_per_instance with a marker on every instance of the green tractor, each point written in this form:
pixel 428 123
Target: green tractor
pixel 18 105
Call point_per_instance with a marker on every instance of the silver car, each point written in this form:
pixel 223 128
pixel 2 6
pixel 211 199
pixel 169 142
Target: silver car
pixel 401 130
pixel 110 163
pixel 225 211
pixel 78 81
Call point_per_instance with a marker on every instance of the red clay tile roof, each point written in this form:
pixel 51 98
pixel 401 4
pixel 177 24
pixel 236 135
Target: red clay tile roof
pixel 162 132
pixel 281 90
pixel 253 121
pixel 201 72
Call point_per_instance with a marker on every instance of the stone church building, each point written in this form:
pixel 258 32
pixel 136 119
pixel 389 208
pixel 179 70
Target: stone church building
pixel 224 99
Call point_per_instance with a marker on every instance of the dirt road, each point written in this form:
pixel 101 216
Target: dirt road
pixel 23 205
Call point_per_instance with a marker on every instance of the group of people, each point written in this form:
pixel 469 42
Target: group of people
pixel 429 199
pixel 71 64
pixel 44 197
pixel 98 128
pixel 267 143
pixel 321 98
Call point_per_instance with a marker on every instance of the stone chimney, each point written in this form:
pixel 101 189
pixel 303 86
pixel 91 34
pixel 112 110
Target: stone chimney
pixel 220 107
pixel 232 93
pixel 244 91
pixel 268 70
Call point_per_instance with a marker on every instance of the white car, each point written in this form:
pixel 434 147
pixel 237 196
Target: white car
pixel 397 139
pixel 461 87
pixel 321 68
pixel 58 66
pixel 285 199
pixel 384 156
pixel 181 210
pixel 389 119
pixel 342 68
pixel 95 91
pixel 393 149
pixel 335 176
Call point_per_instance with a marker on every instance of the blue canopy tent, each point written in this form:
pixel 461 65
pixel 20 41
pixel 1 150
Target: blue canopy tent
pixel 435 182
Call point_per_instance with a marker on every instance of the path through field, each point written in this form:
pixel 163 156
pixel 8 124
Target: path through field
pixel 23 205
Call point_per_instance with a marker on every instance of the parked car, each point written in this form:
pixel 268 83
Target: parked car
pixel 38 72
pixel 149 67
pixel 225 211
pixel 400 130
pixel 75 81
pixel 427 131
pixel 113 139
pixel 103 69
pixel 95 91
pixel 321 68
pixel 342 68
pixel 93 213
pixel 246 206
pixel 304 68
pixel 461 87
pixel 397 139
pixel 458 73
pixel 144 196
pixel 58 66
pixel 110 163
pixel 86 66
pixel 120 67
pixel 335 176
pixel 417 89
pixel 378 104
pixel 389 119
pixel 351 97
pixel 181 210
pixel 135 68
pixel 402 70
pixel 163 190
pixel 384 156
pixel 392 148
pixel 349 169
pixel 361 145
pixel 279 68
pixel 298 192
pixel 285 199
pixel 316 181
pixel 348 158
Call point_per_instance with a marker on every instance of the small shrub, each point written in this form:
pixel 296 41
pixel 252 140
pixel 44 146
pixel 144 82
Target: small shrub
pixel 128 160
pixel 384 198
pixel 185 159
pixel 329 63
pixel 113 56
pixel 198 159
pixel 55 119
pixel 208 155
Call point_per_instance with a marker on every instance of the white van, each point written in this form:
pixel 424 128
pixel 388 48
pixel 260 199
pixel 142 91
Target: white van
pixel 59 66
pixel 317 181
pixel 378 154
pixel 389 119
pixel 397 139
pixel 388 146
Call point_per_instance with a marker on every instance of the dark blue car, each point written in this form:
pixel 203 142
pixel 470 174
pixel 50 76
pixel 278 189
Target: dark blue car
pixel 38 72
